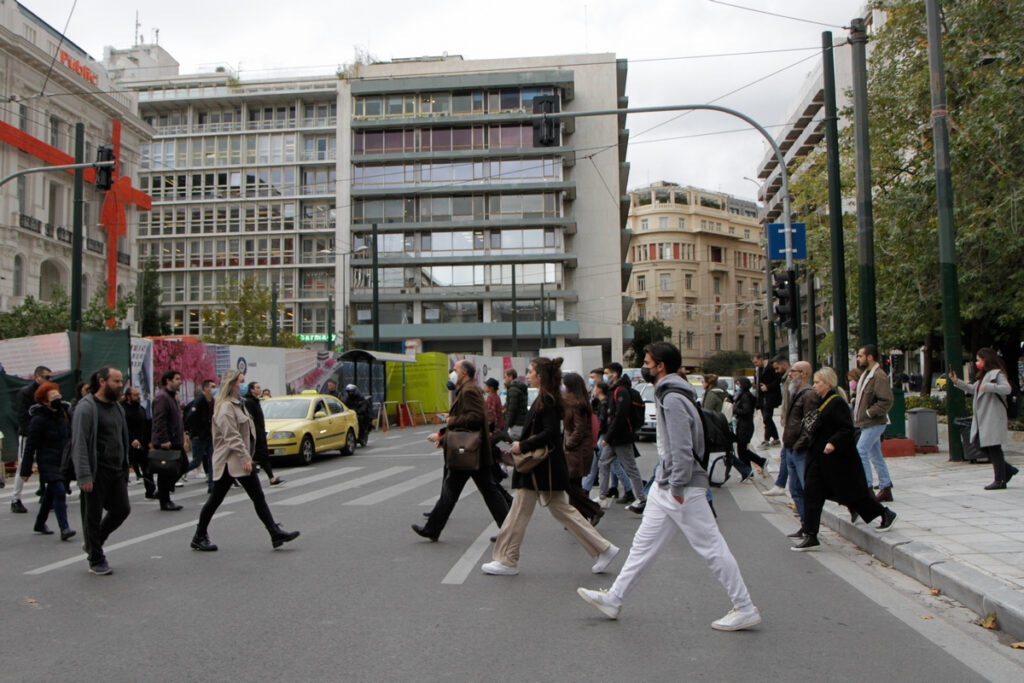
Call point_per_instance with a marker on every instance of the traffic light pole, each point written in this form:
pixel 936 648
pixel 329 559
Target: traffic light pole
pixel 545 119
pixel 76 232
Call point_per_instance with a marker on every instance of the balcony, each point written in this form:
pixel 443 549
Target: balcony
pixel 124 258
pixel 29 223
pixel 94 246
pixel 64 235
pixel 331 155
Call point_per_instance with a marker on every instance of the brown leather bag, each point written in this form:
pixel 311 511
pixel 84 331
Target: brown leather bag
pixel 462 449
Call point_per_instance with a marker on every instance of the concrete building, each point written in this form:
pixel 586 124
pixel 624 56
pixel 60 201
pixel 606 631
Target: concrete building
pixel 698 265
pixel 283 179
pixel 50 84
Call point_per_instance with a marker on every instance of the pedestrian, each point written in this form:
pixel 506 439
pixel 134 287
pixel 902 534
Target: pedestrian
pixel 619 440
pixel 780 368
pixel 744 406
pixel 988 425
pixel 261 454
pixel 768 393
pixel 198 422
pixel 468 413
pixel 833 470
pixel 871 415
pixel 363 408
pixel 798 401
pixel 677 500
pixel 498 434
pixel 600 405
pixel 169 435
pixel 234 442
pixel 99 451
pixel 578 444
pixel 24 401
pixel 49 431
pixel 714 395
pixel 139 429
pixel 515 404
pixel 547 481
pixel 852 377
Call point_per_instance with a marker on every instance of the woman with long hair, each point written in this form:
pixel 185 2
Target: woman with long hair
pixel 991 391
pixel 548 480
pixel 834 470
pixel 234 442
pixel 49 430
pixel 579 445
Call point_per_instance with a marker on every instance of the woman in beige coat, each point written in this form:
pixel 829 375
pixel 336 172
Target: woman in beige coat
pixel 234 440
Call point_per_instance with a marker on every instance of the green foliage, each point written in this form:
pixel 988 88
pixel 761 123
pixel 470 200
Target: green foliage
pixel 645 332
pixel 96 315
pixel 243 316
pixel 152 322
pixel 934 402
pixel 727 363
pixel 34 317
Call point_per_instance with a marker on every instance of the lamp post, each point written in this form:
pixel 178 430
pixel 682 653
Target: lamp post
pixel 344 292
pixel 767 275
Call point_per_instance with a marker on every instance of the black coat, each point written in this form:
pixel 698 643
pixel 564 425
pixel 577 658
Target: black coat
pixel 138 424
pixel 771 397
pixel 841 470
pixel 25 399
pixel 259 423
pixel 620 406
pixel 743 409
pixel 49 432
pixel 543 428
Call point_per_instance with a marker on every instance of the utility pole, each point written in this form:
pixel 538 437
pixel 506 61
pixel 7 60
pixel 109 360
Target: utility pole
pixel 840 333
pixel 273 313
pixel 947 230
pixel 543 315
pixel 515 328
pixel 865 214
pixel 376 294
pixel 77 233
pixel 812 327
pixel 329 342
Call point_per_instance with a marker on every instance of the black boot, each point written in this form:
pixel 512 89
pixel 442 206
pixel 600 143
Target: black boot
pixel 279 536
pixel 202 543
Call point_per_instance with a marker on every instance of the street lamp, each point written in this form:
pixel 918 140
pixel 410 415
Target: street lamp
pixel 344 291
pixel 767 271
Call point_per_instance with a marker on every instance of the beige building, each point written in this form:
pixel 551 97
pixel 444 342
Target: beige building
pixel 698 264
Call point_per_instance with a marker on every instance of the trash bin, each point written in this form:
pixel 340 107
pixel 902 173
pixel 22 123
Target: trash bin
pixel 923 426
pixel 971 450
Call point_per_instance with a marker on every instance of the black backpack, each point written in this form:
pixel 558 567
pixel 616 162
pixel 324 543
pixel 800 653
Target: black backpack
pixel 637 410
pixel 718 436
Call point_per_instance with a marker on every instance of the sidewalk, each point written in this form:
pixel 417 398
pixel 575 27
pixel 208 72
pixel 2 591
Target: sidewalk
pixel 950 533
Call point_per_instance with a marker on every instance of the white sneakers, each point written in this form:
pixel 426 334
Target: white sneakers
pixel 605 502
pixel 775 491
pixel 737 620
pixel 496 568
pixel 601 600
pixel 605 558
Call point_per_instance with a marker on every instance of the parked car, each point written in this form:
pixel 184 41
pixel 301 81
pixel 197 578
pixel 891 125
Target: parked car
pixel 650 426
pixel 300 426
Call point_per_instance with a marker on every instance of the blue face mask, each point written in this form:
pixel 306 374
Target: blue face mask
pixel 243 389
pixel 590 382
pixel 605 378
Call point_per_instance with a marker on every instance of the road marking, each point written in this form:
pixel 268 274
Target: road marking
pixel 461 569
pixel 397 489
pixel 343 486
pixel 123 544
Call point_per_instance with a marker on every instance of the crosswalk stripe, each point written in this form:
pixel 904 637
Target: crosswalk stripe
pixel 343 486
pixel 458 573
pixel 397 489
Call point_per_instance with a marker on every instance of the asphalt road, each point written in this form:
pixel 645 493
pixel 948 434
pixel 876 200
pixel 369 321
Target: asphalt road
pixel 359 597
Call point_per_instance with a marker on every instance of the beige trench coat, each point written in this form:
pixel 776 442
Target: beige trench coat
pixel 234 439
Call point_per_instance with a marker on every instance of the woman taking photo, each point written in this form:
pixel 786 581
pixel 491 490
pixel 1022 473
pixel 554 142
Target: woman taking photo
pixel 234 441
pixel 49 430
pixel 579 445
pixel 542 429
pixel 988 427
pixel 834 470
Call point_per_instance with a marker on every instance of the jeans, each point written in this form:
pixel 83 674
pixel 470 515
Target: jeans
pixel 617 473
pixel 741 466
pixel 796 462
pixel 783 475
pixel 54 498
pixel 870 448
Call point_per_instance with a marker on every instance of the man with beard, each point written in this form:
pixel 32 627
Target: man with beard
pixel 168 434
pixel 99 450
pixel 138 438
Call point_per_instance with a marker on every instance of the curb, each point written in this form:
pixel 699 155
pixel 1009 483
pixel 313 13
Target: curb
pixel 980 592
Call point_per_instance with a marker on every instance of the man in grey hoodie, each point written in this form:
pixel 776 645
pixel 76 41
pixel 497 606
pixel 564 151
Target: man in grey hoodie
pixel 678 499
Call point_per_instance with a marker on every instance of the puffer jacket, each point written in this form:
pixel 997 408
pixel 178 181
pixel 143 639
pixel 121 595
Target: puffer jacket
pixel 49 432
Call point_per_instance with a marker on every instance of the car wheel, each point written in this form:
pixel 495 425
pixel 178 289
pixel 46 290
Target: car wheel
pixel 350 443
pixel 306 451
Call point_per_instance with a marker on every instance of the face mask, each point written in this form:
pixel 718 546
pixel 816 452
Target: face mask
pixel 452 379
pixel 590 382
pixel 243 389
pixel 853 386
pixel 605 378
pixel 646 374
pixel 978 364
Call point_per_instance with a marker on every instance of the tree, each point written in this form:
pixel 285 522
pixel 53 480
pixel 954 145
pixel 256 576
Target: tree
pixel 95 317
pixel 645 332
pixel 243 316
pixel 34 316
pixel 152 323
pixel 727 363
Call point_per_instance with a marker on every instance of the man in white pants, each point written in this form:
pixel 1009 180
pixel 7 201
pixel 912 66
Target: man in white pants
pixel 678 499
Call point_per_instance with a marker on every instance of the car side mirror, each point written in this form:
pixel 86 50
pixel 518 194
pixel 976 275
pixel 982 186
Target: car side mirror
pixel 319 414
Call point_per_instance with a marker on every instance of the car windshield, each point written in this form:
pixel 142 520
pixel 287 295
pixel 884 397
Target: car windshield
pixel 280 409
pixel 646 391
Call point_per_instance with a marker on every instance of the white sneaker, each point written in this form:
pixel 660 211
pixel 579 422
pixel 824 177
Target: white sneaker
pixel 605 558
pixel 601 600
pixel 605 502
pixel 775 491
pixel 496 568
pixel 737 620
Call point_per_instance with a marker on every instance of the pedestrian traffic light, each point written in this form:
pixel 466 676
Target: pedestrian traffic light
pixel 546 130
pixel 104 174
pixel 784 291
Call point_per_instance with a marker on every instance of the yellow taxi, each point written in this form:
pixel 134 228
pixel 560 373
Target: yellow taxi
pixel 300 426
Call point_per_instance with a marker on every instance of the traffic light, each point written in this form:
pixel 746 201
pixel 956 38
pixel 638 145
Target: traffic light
pixel 104 174
pixel 784 291
pixel 546 130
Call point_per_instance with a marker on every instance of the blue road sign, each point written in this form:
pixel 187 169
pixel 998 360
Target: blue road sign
pixel 777 241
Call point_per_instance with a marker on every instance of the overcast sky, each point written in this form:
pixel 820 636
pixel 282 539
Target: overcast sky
pixel 674 49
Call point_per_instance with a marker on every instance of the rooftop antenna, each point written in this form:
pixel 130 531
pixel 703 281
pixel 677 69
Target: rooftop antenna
pixel 138 27
pixel 156 32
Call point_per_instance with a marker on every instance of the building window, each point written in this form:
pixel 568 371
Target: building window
pixel 665 281
pixel 732 229
pixel 757 343
pixel 663 222
pixel 717 255
pixel 742 343
pixel 689 340
pixel 689 313
pixel 641 283
pixel 718 341
pixel 688 280
pixel 746 233
pixel 718 314
pixel 717 285
pixel 666 310
pixel 55 132
pixel 739 287
pixel 641 311
pixel 19 275
pixel 23 117
pixel 682 224
pixel 643 223
pixel 22 195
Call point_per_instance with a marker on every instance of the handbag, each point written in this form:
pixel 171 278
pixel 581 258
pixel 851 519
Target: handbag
pixel 462 449
pixel 165 462
pixel 812 420
pixel 525 462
